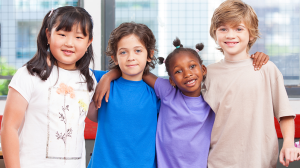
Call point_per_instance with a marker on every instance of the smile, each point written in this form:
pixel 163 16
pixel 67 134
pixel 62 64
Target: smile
pixel 67 52
pixel 191 83
pixel 231 44
pixel 131 66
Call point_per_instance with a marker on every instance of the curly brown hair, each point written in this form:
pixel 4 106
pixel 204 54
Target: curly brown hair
pixel 144 34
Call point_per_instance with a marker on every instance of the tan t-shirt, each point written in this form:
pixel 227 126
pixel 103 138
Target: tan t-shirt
pixel 245 102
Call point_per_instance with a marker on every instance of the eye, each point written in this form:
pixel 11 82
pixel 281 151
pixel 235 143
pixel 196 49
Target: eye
pixel 192 66
pixel 61 35
pixel 79 37
pixel 122 52
pixel 179 71
pixel 239 29
pixel 138 51
pixel 222 29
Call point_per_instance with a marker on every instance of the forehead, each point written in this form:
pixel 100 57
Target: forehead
pixel 183 57
pixel 233 24
pixel 130 41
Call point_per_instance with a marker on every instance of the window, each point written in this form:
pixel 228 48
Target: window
pixel 279 24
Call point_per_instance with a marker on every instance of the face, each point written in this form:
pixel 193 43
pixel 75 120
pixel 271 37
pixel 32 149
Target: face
pixel 131 57
pixel 67 47
pixel 187 73
pixel 233 41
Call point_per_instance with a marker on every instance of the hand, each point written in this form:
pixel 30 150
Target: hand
pixel 102 88
pixel 259 59
pixel 290 154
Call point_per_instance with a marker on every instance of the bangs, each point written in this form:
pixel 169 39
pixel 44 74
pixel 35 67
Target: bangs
pixel 68 20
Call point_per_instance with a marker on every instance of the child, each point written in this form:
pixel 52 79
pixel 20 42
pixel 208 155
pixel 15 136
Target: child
pixel 47 102
pixel 245 101
pixel 127 123
pixel 185 119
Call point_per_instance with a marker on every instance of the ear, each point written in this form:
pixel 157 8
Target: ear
pixel 89 43
pixel 251 38
pixel 172 82
pixel 48 35
pixel 151 55
pixel 204 70
pixel 115 61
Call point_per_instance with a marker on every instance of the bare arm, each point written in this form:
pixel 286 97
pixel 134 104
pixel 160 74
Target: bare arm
pixel 150 79
pixel 288 151
pixel 13 116
pixel 259 59
pixel 93 112
pixel 103 87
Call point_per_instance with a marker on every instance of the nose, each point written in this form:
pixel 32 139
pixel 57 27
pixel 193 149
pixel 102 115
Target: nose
pixel 69 42
pixel 130 57
pixel 188 73
pixel 230 34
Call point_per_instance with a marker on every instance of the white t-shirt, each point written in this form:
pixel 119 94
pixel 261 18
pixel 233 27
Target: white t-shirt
pixel 52 132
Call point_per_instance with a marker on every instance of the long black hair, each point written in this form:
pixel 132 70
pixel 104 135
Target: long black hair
pixel 63 18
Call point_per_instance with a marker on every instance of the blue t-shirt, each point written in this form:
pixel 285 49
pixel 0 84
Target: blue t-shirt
pixel 126 126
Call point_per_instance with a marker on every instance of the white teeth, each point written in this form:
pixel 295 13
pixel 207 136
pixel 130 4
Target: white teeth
pixel 192 81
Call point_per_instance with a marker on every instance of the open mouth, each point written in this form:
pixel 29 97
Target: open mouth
pixel 191 83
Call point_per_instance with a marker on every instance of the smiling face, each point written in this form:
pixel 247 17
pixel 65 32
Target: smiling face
pixel 186 73
pixel 67 47
pixel 131 57
pixel 233 41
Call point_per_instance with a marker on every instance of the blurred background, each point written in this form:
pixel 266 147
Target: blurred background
pixel 279 24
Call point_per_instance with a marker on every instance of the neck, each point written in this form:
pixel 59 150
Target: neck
pixel 137 77
pixel 237 57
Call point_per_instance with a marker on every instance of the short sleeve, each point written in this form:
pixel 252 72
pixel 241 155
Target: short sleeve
pixel 98 74
pixel 162 87
pixel 281 104
pixel 23 82
pixel 94 87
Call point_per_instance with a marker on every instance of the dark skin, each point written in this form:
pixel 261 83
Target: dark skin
pixel 103 87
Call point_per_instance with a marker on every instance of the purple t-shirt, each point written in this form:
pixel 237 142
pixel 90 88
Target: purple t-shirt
pixel 183 129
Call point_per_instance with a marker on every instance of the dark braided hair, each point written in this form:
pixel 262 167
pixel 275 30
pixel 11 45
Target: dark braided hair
pixel 179 48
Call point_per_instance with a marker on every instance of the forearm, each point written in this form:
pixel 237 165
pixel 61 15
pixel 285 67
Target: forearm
pixel 287 127
pixel 113 74
pixel 93 112
pixel 150 79
pixel 10 147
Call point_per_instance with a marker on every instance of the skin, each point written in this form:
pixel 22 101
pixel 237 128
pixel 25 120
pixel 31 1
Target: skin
pixel 67 48
pixel 234 41
pixel 186 73
pixel 131 57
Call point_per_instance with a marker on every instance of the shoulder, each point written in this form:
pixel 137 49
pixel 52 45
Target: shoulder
pixel 270 68
pixel 98 74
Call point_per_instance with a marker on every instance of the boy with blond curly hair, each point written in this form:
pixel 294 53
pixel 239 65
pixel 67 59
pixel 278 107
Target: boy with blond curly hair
pixel 245 101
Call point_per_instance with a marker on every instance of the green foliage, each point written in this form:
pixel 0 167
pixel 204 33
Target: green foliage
pixel 5 70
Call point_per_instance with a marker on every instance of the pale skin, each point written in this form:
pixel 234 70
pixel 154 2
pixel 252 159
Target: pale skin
pixel 234 41
pixel 69 48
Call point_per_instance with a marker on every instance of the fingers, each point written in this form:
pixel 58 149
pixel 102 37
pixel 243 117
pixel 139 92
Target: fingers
pixel 287 157
pixel 258 63
pixel 281 160
pixel 107 96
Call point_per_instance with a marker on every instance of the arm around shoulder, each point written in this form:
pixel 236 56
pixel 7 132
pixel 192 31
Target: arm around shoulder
pixel 150 79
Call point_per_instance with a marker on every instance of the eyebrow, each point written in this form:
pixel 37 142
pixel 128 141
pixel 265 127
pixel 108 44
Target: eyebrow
pixel 133 47
pixel 178 65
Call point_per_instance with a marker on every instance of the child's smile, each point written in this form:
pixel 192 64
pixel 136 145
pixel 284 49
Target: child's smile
pixel 233 41
pixel 187 73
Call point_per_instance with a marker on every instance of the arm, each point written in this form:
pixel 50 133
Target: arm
pixel 288 150
pixel 103 86
pixel 93 112
pixel 12 119
pixel 150 79
pixel 259 59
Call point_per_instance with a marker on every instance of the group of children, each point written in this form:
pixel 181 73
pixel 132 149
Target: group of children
pixel 219 116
